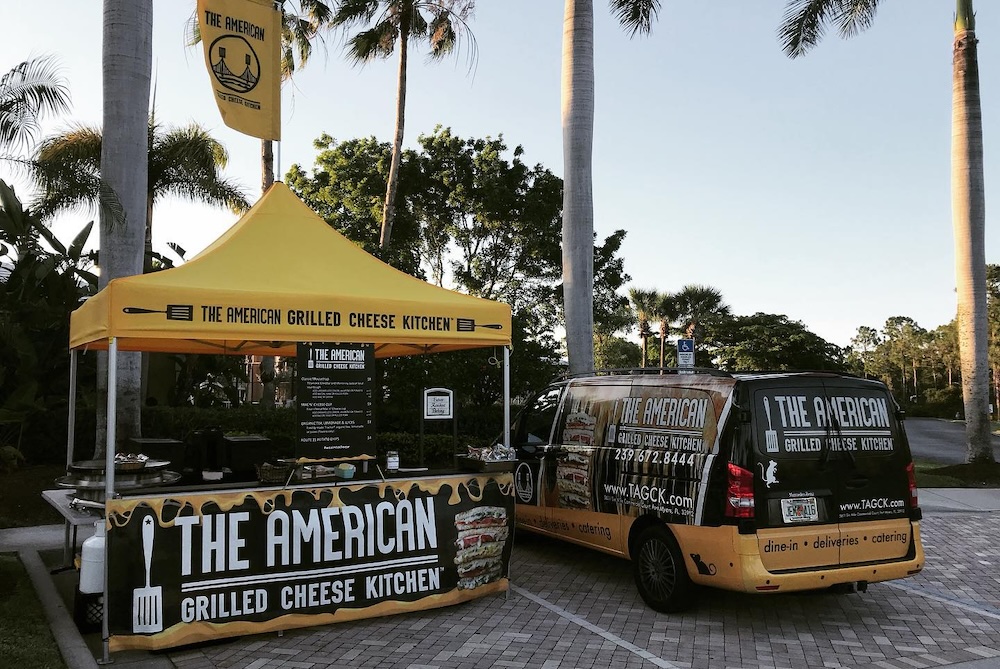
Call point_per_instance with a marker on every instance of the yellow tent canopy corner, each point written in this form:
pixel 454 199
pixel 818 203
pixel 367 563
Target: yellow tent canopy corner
pixel 279 276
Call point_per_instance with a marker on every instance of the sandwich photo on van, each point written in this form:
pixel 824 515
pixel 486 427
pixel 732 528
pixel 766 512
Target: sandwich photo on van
pixel 758 483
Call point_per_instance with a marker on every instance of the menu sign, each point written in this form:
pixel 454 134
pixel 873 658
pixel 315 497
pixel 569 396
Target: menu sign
pixel 335 415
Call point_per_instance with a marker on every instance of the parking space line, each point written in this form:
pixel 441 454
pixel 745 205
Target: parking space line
pixel 949 601
pixel 604 634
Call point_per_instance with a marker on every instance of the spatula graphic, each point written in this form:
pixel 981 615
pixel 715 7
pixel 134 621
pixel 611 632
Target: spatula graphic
pixel 174 312
pixel 147 602
pixel 470 325
pixel 770 436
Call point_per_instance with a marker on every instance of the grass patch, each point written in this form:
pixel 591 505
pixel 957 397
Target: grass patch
pixel 21 503
pixel 26 642
pixel 936 475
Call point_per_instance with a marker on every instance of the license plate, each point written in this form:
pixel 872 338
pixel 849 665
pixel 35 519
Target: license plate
pixel 799 510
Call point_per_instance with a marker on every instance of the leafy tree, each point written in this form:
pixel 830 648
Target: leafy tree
pixel 773 342
pixel 390 24
pixel 27 92
pixel 904 341
pixel 183 161
pixel 612 314
pixel 802 27
pixel 497 215
pixel 636 16
pixel 862 349
pixel 345 188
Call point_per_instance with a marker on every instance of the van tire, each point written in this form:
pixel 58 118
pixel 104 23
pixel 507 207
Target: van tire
pixel 660 574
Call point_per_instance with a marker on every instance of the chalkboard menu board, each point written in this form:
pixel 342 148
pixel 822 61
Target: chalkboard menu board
pixel 335 419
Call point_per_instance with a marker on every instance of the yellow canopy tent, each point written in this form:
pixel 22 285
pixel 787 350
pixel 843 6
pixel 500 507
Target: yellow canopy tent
pixel 279 276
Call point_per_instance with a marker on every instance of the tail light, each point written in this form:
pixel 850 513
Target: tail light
pixel 911 480
pixel 740 493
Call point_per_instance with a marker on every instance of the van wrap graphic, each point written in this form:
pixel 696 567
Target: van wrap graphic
pixel 633 449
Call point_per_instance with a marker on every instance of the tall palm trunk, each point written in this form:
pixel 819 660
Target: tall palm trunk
pixel 389 209
pixel 126 66
pixel 267 361
pixel 968 202
pixel 578 195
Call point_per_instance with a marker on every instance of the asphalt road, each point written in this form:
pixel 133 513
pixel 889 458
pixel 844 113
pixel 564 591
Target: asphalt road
pixel 938 440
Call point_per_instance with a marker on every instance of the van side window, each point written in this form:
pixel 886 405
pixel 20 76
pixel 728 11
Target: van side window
pixel 535 425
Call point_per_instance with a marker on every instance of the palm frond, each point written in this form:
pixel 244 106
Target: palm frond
pixel 855 16
pixel 805 21
pixel 27 92
pixel 376 42
pixel 636 15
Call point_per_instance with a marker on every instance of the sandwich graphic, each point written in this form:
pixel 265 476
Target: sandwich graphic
pixel 579 428
pixel 573 480
pixel 482 535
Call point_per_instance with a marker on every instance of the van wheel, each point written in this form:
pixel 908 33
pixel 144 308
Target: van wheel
pixel 660 574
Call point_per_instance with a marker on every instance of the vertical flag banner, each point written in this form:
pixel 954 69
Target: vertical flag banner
pixel 242 40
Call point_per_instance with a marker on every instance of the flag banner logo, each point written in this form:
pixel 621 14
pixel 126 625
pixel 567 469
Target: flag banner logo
pixel 242 40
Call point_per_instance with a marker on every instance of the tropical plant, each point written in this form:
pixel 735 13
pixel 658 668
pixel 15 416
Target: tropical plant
pixel 636 16
pixel 183 161
pixel 802 27
pixel 698 306
pixel 390 24
pixel 665 311
pixel 27 92
pixel 40 284
pixel 644 303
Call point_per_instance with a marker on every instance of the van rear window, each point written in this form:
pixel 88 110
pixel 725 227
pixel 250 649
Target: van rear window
pixel 807 422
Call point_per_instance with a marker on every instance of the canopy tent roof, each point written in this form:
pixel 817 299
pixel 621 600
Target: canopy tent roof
pixel 279 276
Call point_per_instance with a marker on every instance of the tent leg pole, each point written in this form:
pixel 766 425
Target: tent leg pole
pixel 109 483
pixel 69 532
pixel 506 396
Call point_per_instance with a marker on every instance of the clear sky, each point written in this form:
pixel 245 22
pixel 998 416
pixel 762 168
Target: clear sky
pixel 817 188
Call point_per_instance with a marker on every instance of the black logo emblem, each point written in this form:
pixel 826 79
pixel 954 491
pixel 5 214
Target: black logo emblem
pixel 235 63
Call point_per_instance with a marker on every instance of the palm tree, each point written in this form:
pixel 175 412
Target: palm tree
pixel 183 161
pixel 697 306
pixel 635 16
pixel 127 61
pixel 801 29
pixel 387 23
pixel 644 303
pixel 665 310
pixel 27 92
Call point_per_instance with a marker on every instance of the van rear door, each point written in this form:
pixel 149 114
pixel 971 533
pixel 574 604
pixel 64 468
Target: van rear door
pixel 831 480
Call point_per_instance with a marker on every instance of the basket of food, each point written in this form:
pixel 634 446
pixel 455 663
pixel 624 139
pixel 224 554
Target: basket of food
pixel 275 473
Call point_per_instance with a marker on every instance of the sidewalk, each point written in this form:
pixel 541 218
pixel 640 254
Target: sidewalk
pixel 81 651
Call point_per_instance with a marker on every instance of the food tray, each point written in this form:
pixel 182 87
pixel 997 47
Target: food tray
pixel 467 464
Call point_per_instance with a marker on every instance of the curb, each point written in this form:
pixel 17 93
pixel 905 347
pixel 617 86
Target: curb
pixel 74 651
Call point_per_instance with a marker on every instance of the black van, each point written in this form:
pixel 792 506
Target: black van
pixel 769 482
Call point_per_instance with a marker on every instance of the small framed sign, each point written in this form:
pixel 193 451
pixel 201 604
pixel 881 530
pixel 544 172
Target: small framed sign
pixel 439 404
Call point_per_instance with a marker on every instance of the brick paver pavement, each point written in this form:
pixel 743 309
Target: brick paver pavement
pixel 571 608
